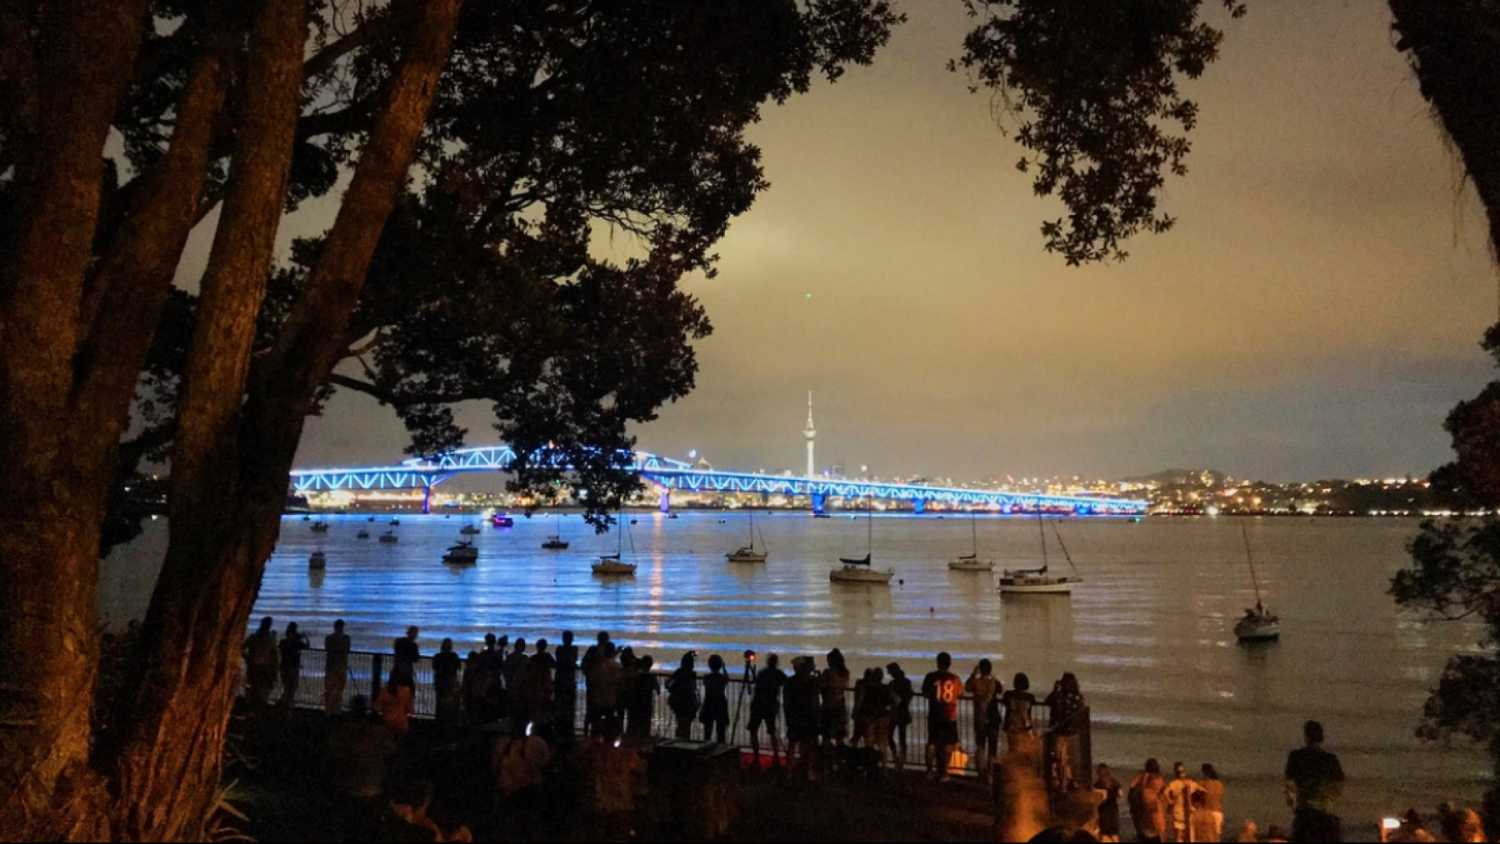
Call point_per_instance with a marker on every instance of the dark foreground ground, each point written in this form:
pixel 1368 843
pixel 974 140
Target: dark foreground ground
pixel 284 789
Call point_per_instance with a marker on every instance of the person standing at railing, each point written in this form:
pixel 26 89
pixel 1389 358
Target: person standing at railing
pixel 1066 707
pixel 943 689
pixel 514 668
pixel 590 657
pixel 292 645
pixel 404 666
pixel 642 689
pixel 1145 797
pixel 682 695
pixel 985 688
pixel 715 712
pixel 535 681
pixel 1018 723
pixel 335 668
pixel 1108 788
pixel 873 706
pixel 901 693
pixel 260 660
pixel 604 676
pixel 801 708
pixel 833 708
pixel 565 684
pixel 765 705
pixel 493 660
pixel 1213 799
pixel 445 667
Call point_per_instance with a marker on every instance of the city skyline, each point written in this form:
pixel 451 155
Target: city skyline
pixel 1314 313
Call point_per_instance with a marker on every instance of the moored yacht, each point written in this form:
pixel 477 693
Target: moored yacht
pixel 462 554
pixel 1039 581
pixel 1257 624
pixel 747 553
pixel 859 569
pixel 971 561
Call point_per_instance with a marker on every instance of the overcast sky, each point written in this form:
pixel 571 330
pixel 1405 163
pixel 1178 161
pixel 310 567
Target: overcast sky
pixel 1314 313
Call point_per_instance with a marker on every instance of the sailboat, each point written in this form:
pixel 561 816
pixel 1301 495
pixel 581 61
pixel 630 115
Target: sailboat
pixel 747 553
pixel 857 569
pixel 1258 624
pixel 319 527
pixel 611 564
pixel 971 561
pixel 462 554
pixel 1038 581
pixel 555 542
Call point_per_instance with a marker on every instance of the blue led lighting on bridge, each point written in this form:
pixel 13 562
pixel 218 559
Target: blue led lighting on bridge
pixel 672 474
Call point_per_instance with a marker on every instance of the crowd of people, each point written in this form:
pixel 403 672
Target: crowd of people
pixel 528 694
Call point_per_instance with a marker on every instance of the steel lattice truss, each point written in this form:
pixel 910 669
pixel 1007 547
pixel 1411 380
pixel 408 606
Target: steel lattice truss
pixel 672 474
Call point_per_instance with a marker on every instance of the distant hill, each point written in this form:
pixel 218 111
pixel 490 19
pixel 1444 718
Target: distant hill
pixel 1181 477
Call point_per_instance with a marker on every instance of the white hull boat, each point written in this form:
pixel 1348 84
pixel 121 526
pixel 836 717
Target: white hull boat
pixel 970 563
pixel 1038 581
pixel 747 553
pixel 1258 624
pixel 1031 583
pixel 860 574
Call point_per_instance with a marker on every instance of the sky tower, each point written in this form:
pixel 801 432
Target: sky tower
pixel 809 433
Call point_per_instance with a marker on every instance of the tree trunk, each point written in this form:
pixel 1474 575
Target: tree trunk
pixel 55 473
pixel 238 462
pixel 1453 47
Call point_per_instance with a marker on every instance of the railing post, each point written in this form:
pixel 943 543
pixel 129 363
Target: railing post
pixel 377 663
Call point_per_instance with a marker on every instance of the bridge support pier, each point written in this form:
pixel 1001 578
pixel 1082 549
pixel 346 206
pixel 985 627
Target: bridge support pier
pixel 919 506
pixel 427 498
pixel 664 502
pixel 818 501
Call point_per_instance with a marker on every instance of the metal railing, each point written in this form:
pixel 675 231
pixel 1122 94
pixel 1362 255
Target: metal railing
pixel 367 670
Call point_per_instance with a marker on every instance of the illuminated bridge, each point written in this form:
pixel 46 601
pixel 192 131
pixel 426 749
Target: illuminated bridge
pixel 669 474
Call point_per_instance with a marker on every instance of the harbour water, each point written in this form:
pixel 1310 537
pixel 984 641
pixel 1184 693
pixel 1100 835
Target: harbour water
pixel 1148 632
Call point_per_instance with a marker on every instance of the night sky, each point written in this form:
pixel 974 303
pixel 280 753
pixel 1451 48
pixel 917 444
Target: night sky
pixel 1315 313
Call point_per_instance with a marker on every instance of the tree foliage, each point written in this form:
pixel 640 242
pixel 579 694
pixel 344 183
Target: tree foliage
pixel 1454 574
pixel 1094 89
pixel 554 125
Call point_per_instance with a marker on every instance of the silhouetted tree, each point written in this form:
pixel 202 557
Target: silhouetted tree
pixel 1455 574
pixel 529 125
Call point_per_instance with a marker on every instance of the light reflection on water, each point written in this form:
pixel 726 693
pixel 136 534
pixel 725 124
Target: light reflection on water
pixel 1149 632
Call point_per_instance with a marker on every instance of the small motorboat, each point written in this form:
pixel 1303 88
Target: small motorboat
pixel 502 520
pixel 468 530
pixel 371 519
pixel 555 543
pixel 363 534
pixel 462 554
pixel 671 515
pixel 319 527
pixel 389 536
pixel 395 522
pixel 316 561
pixel 306 518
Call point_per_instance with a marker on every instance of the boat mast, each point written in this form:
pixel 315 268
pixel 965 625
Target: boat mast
pixel 1066 555
pixel 1041 529
pixel 1254 580
pixel 974 530
pixel 869 528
